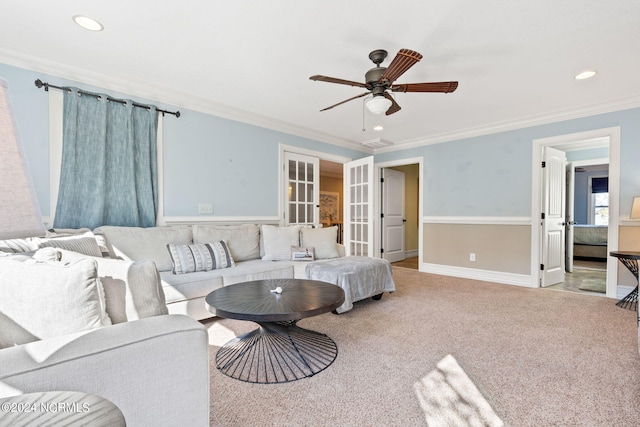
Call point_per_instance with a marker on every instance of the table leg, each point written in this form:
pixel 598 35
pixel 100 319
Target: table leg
pixel 631 300
pixel 276 353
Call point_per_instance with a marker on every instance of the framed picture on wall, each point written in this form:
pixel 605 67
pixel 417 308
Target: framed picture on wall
pixel 329 206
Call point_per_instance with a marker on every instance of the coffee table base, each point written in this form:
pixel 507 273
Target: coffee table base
pixel 277 352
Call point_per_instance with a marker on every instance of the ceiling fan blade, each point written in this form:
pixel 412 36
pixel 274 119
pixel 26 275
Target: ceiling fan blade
pixel 339 81
pixel 404 60
pixel 444 87
pixel 394 105
pixel 346 100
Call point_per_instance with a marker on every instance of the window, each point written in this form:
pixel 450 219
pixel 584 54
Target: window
pixel 599 203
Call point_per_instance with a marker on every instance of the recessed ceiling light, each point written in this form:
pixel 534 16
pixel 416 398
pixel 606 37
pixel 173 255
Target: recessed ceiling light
pixel 88 23
pixel 378 128
pixel 585 75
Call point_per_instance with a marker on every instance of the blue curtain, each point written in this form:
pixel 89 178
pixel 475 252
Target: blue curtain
pixel 109 169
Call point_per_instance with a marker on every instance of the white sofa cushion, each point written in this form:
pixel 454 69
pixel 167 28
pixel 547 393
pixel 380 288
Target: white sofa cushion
pixel 132 289
pixel 278 241
pixel 200 257
pixel 136 243
pixel 41 300
pixel 181 287
pixel 324 241
pixel 243 240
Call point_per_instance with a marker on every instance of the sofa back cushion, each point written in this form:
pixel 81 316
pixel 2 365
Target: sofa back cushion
pixel 136 243
pixel 243 240
pixel 45 299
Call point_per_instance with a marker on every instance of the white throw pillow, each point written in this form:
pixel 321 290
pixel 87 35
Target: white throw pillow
pixel 84 243
pixel 45 299
pixel 323 240
pixel 278 241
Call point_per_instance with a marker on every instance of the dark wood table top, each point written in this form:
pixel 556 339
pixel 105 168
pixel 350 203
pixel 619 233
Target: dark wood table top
pixel 254 300
pixel 625 254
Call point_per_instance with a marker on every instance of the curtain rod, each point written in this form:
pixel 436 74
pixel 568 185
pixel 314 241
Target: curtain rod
pixel 46 86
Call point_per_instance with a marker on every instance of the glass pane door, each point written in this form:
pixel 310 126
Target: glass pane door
pixel 359 207
pixel 302 189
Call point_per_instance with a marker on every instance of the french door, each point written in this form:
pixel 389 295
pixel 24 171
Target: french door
pixel 302 189
pixel 358 207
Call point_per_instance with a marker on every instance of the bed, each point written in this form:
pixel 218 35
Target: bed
pixel 590 241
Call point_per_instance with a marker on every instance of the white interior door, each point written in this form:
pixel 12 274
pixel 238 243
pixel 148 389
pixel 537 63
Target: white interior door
pixel 553 216
pixel 571 174
pixel 358 207
pixel 393 215
pixel 302 189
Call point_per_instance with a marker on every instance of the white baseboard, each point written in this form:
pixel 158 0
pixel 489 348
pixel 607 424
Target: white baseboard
pixel 219 220
pixel 411 254
pixel 484 275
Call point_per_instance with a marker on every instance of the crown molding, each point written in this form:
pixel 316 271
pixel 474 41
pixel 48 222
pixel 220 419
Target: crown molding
pixel 174 99
pixel 558 116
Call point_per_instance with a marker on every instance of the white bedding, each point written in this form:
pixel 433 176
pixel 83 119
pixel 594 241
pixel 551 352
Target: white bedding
pixel 585 234
pixel 359 277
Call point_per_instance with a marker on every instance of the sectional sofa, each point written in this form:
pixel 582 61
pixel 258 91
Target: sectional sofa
pixel 245 252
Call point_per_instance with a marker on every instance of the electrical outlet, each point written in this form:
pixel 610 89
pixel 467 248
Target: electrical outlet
pixel 472 256
pixel 205 208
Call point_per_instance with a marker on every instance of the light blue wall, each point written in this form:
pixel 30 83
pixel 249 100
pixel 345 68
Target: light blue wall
pixel 491 175
pixel 234 166
pixel 207 159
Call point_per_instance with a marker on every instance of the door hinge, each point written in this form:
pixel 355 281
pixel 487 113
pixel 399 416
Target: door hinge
pixel 542 215
pixel 381 215
pixel 381 179
pixel 381 250
pixel 544 164
pixel 541 267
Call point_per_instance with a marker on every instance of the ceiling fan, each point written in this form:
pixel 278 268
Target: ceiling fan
pixel 379 81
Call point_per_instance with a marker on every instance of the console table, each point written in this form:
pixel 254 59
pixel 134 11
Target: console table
pixel 278 351
pixel 630 260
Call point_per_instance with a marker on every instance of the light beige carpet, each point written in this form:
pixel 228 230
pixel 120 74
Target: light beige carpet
pixel 538 356
pixel 450 399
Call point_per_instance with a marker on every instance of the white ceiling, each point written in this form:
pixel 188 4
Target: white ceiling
pixel 250 60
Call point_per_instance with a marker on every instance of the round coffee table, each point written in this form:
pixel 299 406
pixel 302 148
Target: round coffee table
pixel 278 351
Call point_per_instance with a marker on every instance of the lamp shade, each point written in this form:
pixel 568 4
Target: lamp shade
pixel 19 210
pixel 635 208
pixel 378 104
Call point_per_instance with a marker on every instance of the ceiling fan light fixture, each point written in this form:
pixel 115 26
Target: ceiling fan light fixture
pixel 378 104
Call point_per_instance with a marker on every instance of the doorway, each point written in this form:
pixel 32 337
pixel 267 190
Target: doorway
pixel 578 147
pixel 400 228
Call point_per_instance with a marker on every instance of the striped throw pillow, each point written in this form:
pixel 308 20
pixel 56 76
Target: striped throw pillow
pixel 200 257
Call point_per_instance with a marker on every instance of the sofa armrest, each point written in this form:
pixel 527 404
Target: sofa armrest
pixel 156 370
